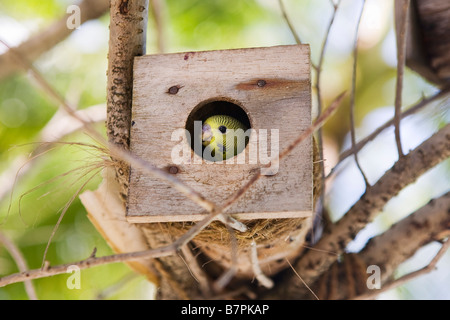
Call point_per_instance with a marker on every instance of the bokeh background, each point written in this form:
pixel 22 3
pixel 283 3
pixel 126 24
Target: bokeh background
pixel 77 67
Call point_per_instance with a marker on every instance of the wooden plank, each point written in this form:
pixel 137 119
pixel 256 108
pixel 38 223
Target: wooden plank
pixel 283 103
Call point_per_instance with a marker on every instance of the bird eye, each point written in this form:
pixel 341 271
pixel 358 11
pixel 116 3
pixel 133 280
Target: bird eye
pixel 223 129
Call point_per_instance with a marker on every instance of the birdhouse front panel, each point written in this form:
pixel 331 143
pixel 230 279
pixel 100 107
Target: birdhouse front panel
pixel 184 103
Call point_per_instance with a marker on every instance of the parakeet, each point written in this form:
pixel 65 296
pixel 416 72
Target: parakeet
pixel 218 134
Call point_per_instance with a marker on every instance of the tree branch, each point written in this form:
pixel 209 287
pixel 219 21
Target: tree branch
pixel 36 45
pixel 418 106
pixel 288 22
pixel 127 40
pixel 314 263
pixel 352 96
pixel 88 263
pixel 387 251
pixel 319 97
pixel 404 238
pixel 158 13
pixel 20 261
pixel 401 53
pixel 410 276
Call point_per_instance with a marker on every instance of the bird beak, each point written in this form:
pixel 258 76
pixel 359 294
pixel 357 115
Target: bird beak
pixel 206 133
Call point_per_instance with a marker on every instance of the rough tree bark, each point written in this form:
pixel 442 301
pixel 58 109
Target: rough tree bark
pixel 127 40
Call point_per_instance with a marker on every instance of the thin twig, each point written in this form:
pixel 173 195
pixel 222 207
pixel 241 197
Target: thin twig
pixel 319 96
pixel 301 279
pixel 116 287
pixel 47 182
pixel 260 276
pixel 352 96
pixel 410 276
pixel 401 53
pixel 20 262
pixel 196 271
pixel 288 22
pixel 228 275
pixel 157 11
pixel 88 263
pixel 63 212
pixel 418 106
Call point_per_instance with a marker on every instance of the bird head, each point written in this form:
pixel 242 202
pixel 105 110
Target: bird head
pixel 212 130
pixel 219 134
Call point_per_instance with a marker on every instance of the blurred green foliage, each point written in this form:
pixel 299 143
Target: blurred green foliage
pixel 77 68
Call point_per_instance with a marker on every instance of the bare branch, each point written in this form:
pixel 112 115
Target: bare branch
pixel 410 276
pixel 157 7
pixel 36 45
pixel 432 151
pixel 88 263
pixel 429 223
pixel 353 93
pixel 127 40
pixel 260 276
pixel 418 106
pixel 228 275
pixel 387 251
pixel 196 270
pixel 21 263
pixel 401 53
pixel 288 22
pixel 319 96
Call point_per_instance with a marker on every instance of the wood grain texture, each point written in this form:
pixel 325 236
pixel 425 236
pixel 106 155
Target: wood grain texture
pixel 283 103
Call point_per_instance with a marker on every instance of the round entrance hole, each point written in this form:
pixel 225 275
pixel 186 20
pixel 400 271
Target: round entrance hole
pixel 210 108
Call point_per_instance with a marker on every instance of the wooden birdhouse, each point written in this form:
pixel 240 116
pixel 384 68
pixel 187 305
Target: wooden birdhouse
pixel 268 90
